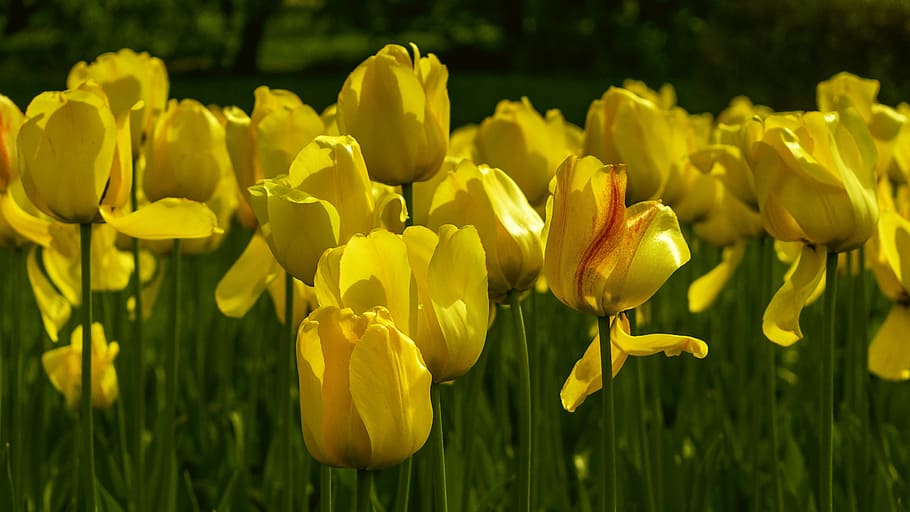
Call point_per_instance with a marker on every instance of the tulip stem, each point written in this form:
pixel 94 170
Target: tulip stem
pixel 171 360
pixel 138 375
pixel 524 405
pixel 609 432
pixel 364 489
pixel 88 440
pixel 325 488
pixel 402 494
pixel 284 384
pixel 439 453
pixel 826 408
pixel 646 466
pixel 407 192
pixel 771 381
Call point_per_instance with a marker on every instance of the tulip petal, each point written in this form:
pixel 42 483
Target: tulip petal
pixel 586 377
pixel 649 344
pixel 247 278
pixel 780 322
pixel 28 226
pixel 55 309
pixel 390 387
pixel 311 376
pixel 704 290
pixel 894 240
pixel 457 282
pixel 889 353
pixel 166 218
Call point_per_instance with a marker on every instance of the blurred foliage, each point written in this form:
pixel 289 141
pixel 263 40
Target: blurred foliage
pixel 774 51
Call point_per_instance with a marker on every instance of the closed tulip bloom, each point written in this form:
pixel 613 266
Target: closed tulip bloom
pixel 264 144
pixel 845 90
pixel 187 154
pixel 434 286
pixel 601 257
pixel 509 227
pixel 518 140
pixel 10 120
pixel 398 109
pixel 324 201
pixel 128 78
pixel 75 154
pixel 364 389
pixel 815 179
pixel 64 368
pixel 622 127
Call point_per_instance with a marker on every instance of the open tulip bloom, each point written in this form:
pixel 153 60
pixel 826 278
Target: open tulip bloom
pixel 611 264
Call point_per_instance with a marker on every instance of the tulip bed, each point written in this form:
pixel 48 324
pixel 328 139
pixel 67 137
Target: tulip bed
pixel 451 285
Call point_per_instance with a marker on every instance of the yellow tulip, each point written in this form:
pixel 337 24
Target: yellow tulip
pixel 364 389
pixel 75 154
pixel 63 366
pixel 128 78
pixel 398 109
pixel 815 179
pixel 187 155
pixel 622 127
pixel 601 257
pixel 264 144
pixel 845 90
pixel 324 201
pixel 10 121
pixel 665 98
pixel 518 140
pixel 434 286
pixel 586 376
pixel 509 227
pixel 740 110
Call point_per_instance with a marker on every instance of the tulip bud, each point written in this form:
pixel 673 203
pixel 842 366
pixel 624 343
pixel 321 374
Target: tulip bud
pixel 398 110
pixel 519 141
pixel 75 154
pixel 509 227
pixel 815 179
pixel 187 155
pixel 364 389
pixel 128 78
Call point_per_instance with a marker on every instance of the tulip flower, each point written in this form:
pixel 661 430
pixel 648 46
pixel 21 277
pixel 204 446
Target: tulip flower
pixel 187 154
pixel 509 227
pixel 518 140
pixel 889 352
pixel 321 204
pixel 845 90
pixel 364 389
pixel 263 144
pixel 62 366
pixel 622 127
pixel 434 286
pixel 398 110
pixel 128 78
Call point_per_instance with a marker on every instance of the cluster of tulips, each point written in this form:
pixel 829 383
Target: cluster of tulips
pixel 386 242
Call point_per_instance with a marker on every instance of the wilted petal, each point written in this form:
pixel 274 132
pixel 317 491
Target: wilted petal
pixel 586 377
pixel 780 322
pixel 704 290
pixel 55 309
pixel 247 278
pixel 166 218
pixel 889 353
pixel 649 344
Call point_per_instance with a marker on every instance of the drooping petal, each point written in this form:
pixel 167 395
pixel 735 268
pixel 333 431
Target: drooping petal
pixel 704 290
pixel 889 352
pixel 780 322
pixel 390 387
pixel 247 278
pixel 166 218
pixel 55 309
pixel 649 344
pixel 586 377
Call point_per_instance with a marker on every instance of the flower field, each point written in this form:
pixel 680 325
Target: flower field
pixel 366 306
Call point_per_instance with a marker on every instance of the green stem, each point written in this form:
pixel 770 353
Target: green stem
pixel 364 489
pixel 524 406
pixel 861 362
pixel 609 433
pixel 88 466
pixel 138 384
pixel 407 192
pixel 647 468
pixel 172 364
pixel 284 384
pixel 325 488
pixel 439 454
pixel 17 360
pixel 767 270
pixel 402 494
pixel 826 396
